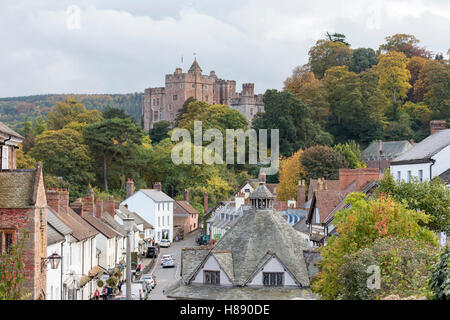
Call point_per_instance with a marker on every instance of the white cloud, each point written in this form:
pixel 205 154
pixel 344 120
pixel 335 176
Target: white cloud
pixel 128 46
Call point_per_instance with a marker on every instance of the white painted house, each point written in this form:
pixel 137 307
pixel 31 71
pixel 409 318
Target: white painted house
pixel 425 160
pixel 156 208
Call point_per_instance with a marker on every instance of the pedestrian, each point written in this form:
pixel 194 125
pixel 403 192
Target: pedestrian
pixel 96 294
pixel 104 293
pixel 119 285
pixel 138 269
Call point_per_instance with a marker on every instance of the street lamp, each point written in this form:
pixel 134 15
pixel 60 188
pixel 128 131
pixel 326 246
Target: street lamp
pixel 128 223
pixel 54 260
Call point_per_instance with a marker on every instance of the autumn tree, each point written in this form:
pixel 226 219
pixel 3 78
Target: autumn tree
pixel 64 113
pixel 405 43
pixel 312 92
pixel 415 66
pixel 359 227
pixel 393 77
pixel 326 54
pixel 431 197
pixel 290 173
pixel 322 161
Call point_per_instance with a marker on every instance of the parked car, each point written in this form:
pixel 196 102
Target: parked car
pixel 203 240
pixel 150 279
pixel 137 291
pixel 164 243
pixel 169 263
pixel 120 297
pixel 165 257
pixel 151 252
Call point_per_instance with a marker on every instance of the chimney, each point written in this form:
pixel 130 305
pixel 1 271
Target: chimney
pixel 89 205
pixel 98 208
pixel 53 199
pixel 130 187
pixel 380 148
pixel 205 202
pixel 186 195
pixel 157 185
pixel 64 199
pixel 77 206
pixel 262 176
pixel 109 206
pixel 301 194
pixel 436 125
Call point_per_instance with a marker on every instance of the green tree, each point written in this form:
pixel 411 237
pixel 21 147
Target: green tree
pixel 12 271
pixel 404 269
pixel 159 131
pixel 64 154
pixel 440 278
pixel 322 161
pixel 183 110
pixel 352 153
pixel 431 197
pixel 337 37
pixel 111 112
pixel 112 140
pixel 326 54
pixel 283 111
pixel 363 59
pixel 358 227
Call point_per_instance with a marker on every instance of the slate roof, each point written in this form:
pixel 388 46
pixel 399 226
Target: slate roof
pixel 123 212
pixel 5 129
pixel 196 292
pixel 190 258
pixel 157 195
pixel 53 236
pixel 57 223
pixel 17 188
pixel 183 208
pixel 254 234
pixel 261 192
pixel 112 223
pixel 425 149
pixel 445 176
pixel 390 150
pixel 195 66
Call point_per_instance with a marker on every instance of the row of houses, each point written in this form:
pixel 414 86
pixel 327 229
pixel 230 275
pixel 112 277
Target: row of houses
pixel 87 237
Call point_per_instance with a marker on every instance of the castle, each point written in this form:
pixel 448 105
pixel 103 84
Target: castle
pixel 163 103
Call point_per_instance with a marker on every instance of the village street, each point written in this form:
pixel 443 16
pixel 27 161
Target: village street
pixel 166 276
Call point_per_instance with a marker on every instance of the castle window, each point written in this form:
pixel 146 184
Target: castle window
pixel 170 86
pixel 171 116
pixel 175 97
pixel 273 279
pixel 157 101
pixel 193 85
pixel 155 115
pixel 170 107
pixel 211 277
pixel 181 86
pixel 154 101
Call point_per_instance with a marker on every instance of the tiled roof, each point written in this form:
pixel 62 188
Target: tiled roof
pixel 81 229
pixel 314 185
pixel 17 188
pixel 183 207
pixel 5 129
pixel 157 195
pixel 426 148
pixel 390 150
pixel 100 226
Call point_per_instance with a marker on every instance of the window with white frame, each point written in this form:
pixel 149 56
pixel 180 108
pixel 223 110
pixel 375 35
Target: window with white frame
pixel 421 175
pixel 273 279
pixel 409 176
pixel 399 176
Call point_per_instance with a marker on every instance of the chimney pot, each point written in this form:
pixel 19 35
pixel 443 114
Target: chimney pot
pixel 186 195
pixel 436 125
pixel 157 185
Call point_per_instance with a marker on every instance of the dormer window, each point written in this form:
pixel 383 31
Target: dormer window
pixel 273 279
pixel 211 277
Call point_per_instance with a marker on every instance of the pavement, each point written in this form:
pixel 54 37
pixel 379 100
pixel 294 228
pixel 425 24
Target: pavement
pixel 166 276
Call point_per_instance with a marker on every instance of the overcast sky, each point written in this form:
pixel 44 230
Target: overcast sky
pixel 126 46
